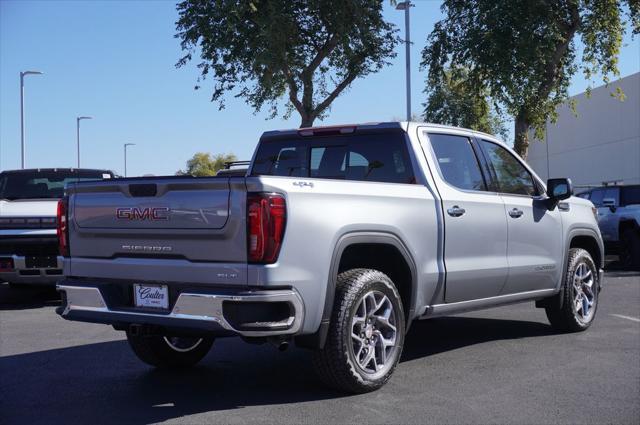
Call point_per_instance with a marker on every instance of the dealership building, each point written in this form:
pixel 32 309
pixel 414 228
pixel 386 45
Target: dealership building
pixel 597 144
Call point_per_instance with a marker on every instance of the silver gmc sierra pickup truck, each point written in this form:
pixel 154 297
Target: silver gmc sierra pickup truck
pixel 336 238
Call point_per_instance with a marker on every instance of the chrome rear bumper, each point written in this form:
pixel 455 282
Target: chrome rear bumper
pixel 191 310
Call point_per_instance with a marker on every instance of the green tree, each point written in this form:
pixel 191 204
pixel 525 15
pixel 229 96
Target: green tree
pixel 525 53
pixel 203 164
pixel 454 101
pixel 305 51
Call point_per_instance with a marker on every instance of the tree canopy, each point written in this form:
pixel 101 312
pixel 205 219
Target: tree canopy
pixel 204 164
pixel 305 51
pixel 524 51
pixel 454 101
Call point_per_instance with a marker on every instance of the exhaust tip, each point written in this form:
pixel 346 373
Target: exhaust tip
pixel 281 343
pixel 283 346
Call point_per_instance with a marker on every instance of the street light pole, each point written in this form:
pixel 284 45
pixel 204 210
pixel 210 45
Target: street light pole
pixel 78 119
pixel 22 75
pixel 406 6
pixel 125 157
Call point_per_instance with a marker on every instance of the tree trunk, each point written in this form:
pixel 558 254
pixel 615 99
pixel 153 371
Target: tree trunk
pixel 521 142
pixel 307 120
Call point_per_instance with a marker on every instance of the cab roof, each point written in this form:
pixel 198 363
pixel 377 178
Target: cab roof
pixel 364 127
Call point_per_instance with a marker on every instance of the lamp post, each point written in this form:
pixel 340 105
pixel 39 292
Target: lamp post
pixel 22 75
pixel 125 156
pixel 78 119
pixel 406 5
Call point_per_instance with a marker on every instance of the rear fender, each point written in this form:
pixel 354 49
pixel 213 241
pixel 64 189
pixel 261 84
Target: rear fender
pixel 318 339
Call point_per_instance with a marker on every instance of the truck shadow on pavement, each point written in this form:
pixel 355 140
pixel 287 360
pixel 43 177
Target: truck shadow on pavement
pixel 25 297
pixel 450 333
pixel 105 382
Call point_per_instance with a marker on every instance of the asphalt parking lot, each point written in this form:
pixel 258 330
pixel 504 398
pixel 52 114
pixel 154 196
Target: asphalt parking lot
pixel 504 365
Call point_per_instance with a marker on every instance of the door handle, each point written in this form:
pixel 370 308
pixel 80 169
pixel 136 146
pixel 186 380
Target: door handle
pixel 515 213
pixel 455 211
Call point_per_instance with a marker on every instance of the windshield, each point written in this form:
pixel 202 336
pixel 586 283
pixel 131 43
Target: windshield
pixel 43 184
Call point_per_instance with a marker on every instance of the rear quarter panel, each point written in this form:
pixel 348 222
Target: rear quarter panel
pixel 322 211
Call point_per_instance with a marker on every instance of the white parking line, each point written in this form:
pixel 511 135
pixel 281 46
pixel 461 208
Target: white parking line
pixel 633 319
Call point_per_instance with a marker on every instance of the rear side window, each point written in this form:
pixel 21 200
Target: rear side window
pixel 374 157
pixel 457 161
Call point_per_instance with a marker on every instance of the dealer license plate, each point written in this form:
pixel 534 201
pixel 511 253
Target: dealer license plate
pixel 151 296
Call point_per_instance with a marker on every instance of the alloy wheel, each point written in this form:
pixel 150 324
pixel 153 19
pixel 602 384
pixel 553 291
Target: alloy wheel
pixel 584 293
pixel 374 332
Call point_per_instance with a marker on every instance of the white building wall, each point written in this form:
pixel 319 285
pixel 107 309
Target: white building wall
pixel 600 144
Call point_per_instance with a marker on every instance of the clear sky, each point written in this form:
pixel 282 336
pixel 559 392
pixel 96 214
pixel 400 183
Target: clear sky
pixel 115 60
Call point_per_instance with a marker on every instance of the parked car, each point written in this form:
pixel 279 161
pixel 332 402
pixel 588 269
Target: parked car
pixel 337 239
pixel 28 240
pixel 619 220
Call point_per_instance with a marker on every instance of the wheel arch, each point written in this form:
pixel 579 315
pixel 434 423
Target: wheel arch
pixel 588 241
pixel 398 263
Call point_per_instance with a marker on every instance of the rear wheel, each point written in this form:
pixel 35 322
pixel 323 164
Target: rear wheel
pixel 169 351
pixel 366 333
pixel 574 308
pixel 630 248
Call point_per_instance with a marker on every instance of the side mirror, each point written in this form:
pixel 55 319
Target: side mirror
pixel 611 203
pixel 557 190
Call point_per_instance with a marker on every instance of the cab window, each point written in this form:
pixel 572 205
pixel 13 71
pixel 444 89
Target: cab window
pixel 512 176
pixel 457 161
pixel 366 157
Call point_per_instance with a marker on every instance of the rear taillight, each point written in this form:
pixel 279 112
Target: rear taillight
pixel 267 216
pixel 62 228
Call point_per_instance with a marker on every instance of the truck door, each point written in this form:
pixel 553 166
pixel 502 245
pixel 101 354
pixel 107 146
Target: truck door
pixel 475 247
pixel 535 248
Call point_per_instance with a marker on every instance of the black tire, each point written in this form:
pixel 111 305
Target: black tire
pixel 336 364
pixel 156 350
pixel 630 248
pixel 562 312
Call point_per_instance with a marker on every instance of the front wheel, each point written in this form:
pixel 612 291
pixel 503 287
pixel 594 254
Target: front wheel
pixel 575 306
pixel 169 351
pixel 366 333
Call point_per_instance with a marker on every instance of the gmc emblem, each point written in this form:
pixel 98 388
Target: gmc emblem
pixel 135 213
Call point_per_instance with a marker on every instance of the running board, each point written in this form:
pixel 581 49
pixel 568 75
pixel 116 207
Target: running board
pixel 483 303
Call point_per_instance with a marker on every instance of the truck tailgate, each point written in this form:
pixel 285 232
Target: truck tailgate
pixel 159 229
